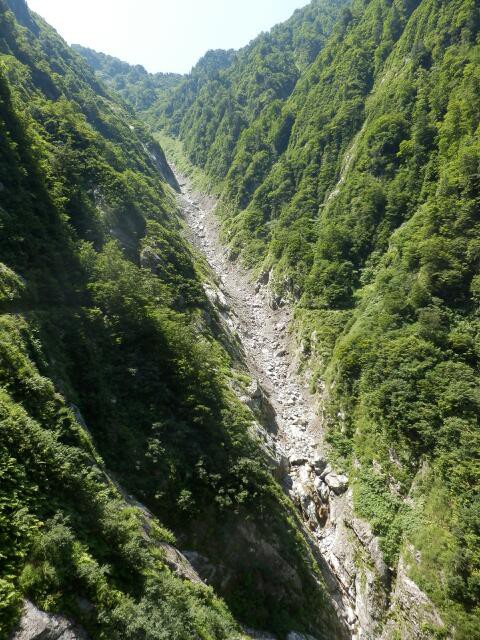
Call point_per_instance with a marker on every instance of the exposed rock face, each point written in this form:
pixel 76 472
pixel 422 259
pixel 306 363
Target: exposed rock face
pixel 351 549
pixel 414 614
pixel 22 13
pixel 38 625
pixel 179 563
pixel 159 160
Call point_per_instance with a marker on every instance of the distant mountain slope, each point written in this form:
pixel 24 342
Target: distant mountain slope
pixel 349 179
pixel 137 87
pixel 228 90
pixel 115 371
pixel 211 108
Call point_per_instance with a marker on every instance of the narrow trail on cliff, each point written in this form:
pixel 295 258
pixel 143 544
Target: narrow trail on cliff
pixel 296 426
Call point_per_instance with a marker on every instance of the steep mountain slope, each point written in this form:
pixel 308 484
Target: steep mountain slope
pixel 355 192
pixel 228 90
pixel 117 371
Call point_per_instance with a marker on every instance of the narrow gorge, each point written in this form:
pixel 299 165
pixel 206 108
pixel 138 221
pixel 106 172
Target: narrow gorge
pixel 362 588
pixel 240 326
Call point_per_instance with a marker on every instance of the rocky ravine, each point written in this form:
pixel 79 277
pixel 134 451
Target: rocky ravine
pixel 371 606
pixel 360 583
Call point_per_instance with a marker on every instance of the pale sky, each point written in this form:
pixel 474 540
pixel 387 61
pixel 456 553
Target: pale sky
pixel 163 35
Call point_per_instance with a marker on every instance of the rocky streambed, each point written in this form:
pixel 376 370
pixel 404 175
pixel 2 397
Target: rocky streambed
pixel 345 547
pixel 373 601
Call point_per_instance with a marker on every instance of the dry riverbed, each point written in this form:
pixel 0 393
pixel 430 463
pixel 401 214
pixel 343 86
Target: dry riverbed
pixel 270 354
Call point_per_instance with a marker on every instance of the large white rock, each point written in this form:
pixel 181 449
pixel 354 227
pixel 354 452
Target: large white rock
pixel 297 459
pixel 337 483
pixel 38 625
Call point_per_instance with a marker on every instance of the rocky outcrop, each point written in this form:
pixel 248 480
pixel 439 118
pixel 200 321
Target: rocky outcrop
pixel 157 156
pixel 179 563
pixel 412 613
pixel 346 544
pixel 38 625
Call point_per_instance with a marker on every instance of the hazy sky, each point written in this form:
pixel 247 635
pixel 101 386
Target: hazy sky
pixel 163 35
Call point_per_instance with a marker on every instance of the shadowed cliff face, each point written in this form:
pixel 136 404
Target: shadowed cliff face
pixel 22 13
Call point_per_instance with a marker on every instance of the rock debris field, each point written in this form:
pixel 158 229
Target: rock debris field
pixel 263 332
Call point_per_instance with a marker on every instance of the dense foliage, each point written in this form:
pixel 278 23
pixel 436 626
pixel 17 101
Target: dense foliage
pixel 137 87
pixel 228 90
pixel 354 182
pixel 114 368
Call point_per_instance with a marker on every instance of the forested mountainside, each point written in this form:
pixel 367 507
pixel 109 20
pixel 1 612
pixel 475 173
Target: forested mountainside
pixel 137 87
pixel 229 90
pixel 349 178
pixel 117 383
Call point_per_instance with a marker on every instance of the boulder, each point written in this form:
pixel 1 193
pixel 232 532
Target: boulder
pixel 264 277
pixel 337 483
pixel 297 459
pixel 319 464
pixel 38 625
pixel 255 390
